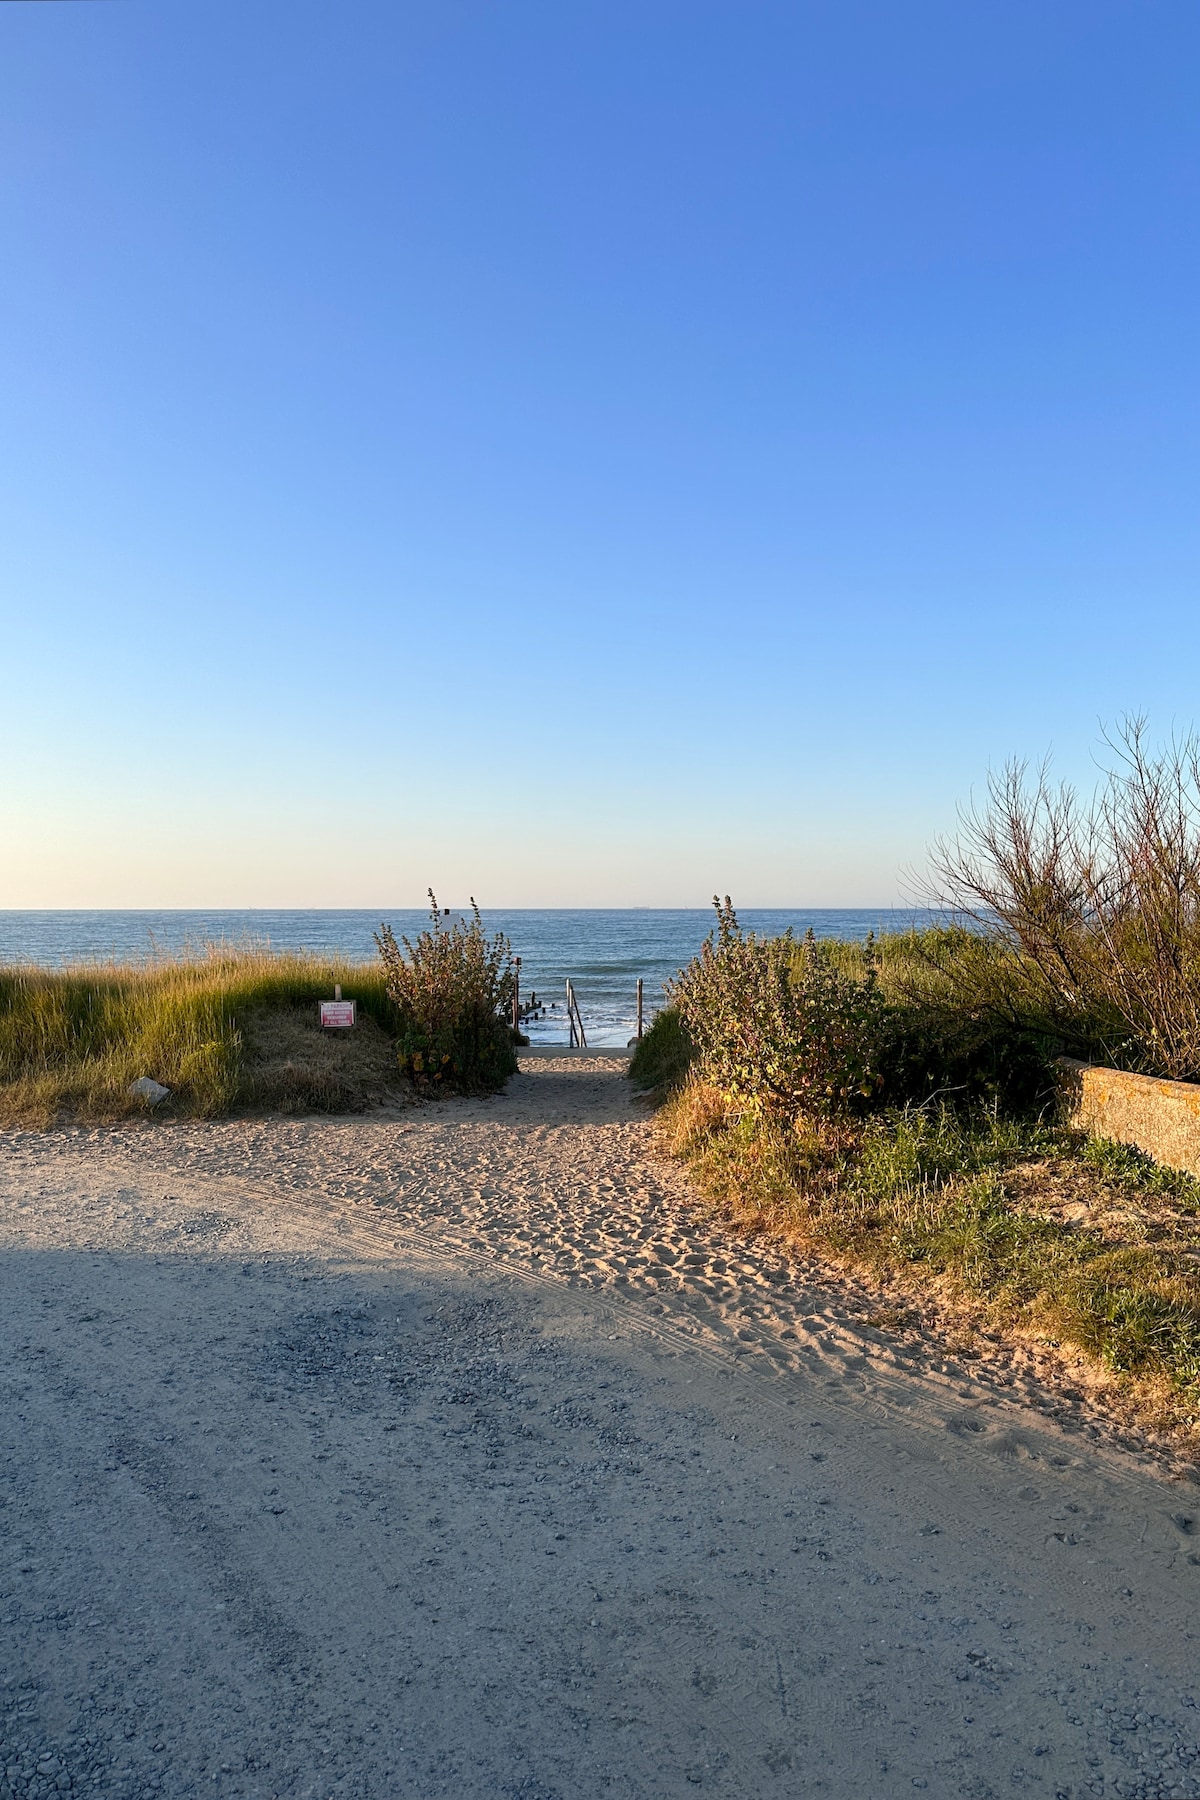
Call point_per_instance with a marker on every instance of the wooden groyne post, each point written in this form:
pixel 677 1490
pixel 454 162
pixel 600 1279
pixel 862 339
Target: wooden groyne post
pixel 639 1005
pixel 575 1019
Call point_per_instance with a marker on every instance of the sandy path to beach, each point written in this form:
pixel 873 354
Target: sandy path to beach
pixel 455 1453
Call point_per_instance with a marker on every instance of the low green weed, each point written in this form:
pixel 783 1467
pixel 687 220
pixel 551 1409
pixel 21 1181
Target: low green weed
pixel 1124 1166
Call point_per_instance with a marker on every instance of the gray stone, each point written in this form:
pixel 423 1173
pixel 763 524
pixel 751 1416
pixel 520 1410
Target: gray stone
pixel 152 1092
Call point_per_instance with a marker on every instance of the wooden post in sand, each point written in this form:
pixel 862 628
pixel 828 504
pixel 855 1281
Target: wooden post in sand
pixel 517 993
pixel 575 1019
pixel 639 992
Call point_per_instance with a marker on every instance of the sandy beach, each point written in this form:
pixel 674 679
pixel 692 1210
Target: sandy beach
pixel 457 1451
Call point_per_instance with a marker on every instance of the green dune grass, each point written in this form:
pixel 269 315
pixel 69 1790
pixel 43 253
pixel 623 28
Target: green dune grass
pixel 221 1028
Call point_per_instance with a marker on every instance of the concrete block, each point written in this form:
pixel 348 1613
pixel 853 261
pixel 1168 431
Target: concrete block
pixel 1161 1118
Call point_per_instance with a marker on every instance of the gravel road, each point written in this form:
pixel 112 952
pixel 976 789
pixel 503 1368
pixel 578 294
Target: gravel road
pixel 456 1453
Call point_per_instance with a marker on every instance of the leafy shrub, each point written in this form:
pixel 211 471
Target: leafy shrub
pixel 777 1026
pixel 453 992
pixel 955 1014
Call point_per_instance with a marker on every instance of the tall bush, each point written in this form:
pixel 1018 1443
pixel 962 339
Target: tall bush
pixel 453 989
pixel 777 1027
pixel 1100 896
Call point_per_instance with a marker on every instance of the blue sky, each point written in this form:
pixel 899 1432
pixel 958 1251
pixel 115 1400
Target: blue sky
pixel 588 454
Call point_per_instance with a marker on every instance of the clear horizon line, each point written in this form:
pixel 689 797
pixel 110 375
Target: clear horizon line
pixel 493 906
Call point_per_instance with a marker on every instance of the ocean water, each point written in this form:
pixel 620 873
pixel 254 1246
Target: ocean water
pixel 603 952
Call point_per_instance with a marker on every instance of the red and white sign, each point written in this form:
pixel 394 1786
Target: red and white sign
pixel 338 1014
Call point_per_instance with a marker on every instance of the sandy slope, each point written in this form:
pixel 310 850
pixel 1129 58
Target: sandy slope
pixel 454 1454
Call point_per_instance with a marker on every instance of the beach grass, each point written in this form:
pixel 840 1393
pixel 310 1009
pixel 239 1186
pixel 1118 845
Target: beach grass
pixel 222 1027
pixel 1077 1242
pixel 663 1056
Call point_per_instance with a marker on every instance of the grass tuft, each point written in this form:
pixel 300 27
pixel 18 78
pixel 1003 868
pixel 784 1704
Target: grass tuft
pixel 1124 1166
pixel 663 1057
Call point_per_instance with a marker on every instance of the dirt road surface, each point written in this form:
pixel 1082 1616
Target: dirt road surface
pixel 454 1453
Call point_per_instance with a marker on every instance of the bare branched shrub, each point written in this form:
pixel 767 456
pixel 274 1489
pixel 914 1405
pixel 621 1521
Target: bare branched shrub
pixel 1101 898
pixel 453 989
